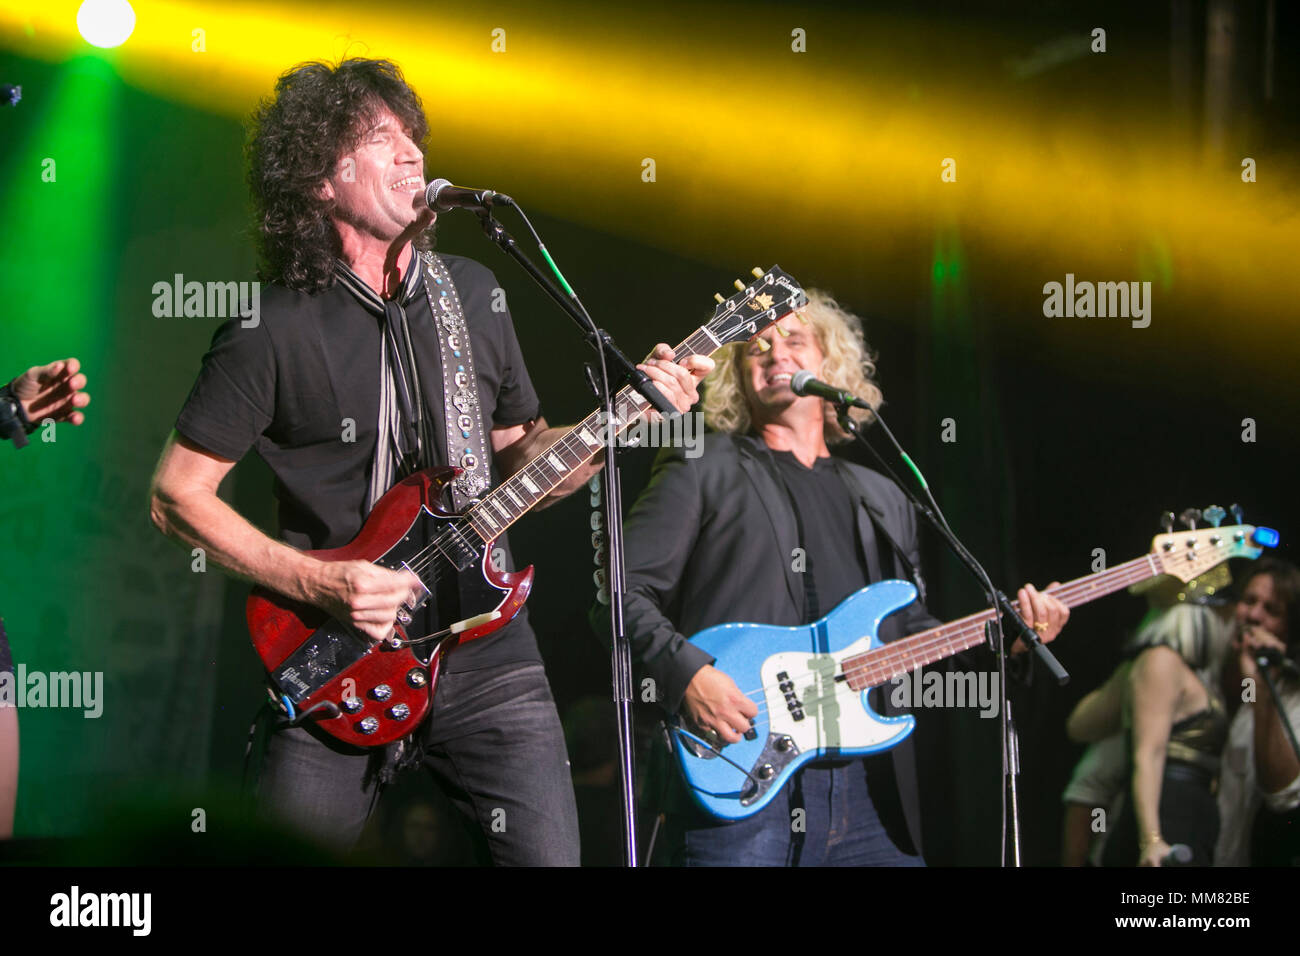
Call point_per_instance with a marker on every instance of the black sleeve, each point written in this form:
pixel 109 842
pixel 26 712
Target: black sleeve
pixel 656 558
pixel 233 399
pixel 496 346
pixel 517 402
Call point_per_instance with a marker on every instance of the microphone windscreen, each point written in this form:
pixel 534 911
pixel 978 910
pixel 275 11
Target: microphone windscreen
pixel 800 381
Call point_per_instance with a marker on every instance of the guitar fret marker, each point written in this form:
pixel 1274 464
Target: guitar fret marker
pixel 555 462
pixel 528 483
pixel 519 502
pixel 588 438
pixel 501 508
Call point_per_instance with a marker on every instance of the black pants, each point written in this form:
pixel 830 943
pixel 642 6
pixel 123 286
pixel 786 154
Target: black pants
pixel 496 749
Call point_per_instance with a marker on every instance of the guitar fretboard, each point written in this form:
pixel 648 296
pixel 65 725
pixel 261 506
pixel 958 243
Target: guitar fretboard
pixel 878 666
pixel 513 498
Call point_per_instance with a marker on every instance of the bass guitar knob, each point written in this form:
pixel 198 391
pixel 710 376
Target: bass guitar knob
pixel 766 772
pixel 352 704
pixel 399 712
pixel 382 692
pixel 416 677
pixel 368 725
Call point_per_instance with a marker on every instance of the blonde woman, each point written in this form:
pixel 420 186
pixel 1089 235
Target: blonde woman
pixel 1166 699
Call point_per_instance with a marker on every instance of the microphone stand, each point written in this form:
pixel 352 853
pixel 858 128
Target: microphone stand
pixel 997 601
pixel 1265 671
pixel 621 652
pixel 598 339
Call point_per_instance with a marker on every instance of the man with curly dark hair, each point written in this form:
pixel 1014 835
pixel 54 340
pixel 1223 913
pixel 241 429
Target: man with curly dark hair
pixel 339 386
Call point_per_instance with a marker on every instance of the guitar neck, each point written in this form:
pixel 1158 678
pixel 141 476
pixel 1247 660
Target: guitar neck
pixel 522 491
pixel 882 664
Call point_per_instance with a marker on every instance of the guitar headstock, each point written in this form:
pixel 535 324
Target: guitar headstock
pixel 1189 554
pixel 768 299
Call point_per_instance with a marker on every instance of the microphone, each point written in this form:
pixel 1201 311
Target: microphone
pixel 804 383
pixel 442 196
pixel 1267 657
pixel 1180 854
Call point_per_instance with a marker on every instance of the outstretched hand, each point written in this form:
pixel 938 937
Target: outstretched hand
pixel 53 391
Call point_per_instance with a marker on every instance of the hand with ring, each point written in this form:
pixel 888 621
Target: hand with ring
pixel 1047 613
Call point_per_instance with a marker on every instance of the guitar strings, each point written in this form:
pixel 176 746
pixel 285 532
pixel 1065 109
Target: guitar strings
pixel 434 556
pixel 567 439
pixel 881 662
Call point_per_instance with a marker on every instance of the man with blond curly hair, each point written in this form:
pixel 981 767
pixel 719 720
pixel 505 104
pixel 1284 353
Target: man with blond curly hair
pixel 766 485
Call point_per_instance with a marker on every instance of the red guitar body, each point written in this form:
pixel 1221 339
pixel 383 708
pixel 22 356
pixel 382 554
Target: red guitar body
pixel 366 693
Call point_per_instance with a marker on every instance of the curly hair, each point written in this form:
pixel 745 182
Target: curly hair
pixel 1286 586
pixel 296 137
pixel 848 365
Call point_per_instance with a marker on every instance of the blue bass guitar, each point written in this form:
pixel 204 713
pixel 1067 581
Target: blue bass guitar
pixel 811 682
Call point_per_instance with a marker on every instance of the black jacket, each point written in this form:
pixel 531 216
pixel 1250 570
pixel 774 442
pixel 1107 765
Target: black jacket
pixel 710 540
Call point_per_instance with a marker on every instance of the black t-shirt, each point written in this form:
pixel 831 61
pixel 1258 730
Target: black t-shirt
pixel 301 388
pixel 829 524
pixel 836 566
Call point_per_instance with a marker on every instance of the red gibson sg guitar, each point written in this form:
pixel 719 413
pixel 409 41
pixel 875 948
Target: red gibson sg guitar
pixel 369 693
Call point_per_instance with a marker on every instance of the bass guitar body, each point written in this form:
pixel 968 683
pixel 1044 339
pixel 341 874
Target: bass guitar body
pixel 811 682
pixel 806 710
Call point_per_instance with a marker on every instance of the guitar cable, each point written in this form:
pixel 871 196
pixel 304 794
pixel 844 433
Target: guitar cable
pixel 329 708
pixel 667 773
pixel 468 624
pixel 717 752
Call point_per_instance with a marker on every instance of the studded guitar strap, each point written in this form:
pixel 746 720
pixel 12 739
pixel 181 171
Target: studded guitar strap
pixel 466 435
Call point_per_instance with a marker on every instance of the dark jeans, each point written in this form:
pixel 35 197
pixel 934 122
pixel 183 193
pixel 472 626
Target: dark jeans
pixel 824 817
pixel 495 747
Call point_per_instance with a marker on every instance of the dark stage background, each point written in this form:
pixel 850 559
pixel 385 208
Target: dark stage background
pixel 1071 434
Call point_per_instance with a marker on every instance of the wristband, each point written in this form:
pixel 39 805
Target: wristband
pixel 14 422
pixel 7 392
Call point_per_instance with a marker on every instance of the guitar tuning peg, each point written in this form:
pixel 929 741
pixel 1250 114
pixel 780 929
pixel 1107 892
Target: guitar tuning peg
pixel 1236 512
pixel 1214 515
pixel 719 298
pixel 798 314
pixel 764 345
pixel 784 333
pixel 756 272
pixel 1167 521
pixel 1190 517
pixel 740 286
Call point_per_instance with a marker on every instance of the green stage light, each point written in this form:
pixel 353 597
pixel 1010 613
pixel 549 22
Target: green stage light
pixel 106 23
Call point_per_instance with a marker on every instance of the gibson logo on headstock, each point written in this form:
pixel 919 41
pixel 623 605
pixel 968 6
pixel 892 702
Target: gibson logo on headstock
pixel 761 303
